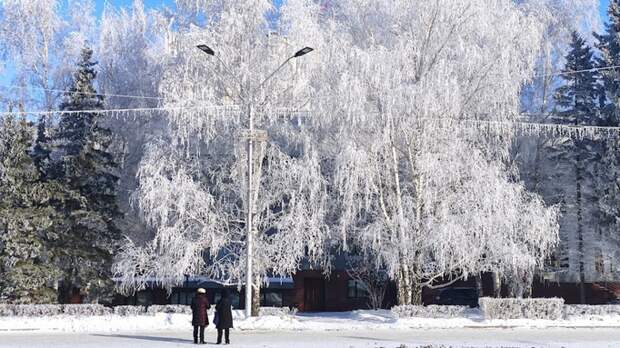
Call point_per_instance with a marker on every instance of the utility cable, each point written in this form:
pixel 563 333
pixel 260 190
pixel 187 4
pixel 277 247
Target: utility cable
pixel 66 91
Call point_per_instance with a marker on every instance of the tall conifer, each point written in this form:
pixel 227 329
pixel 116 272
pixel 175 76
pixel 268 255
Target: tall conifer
pixel 87 168
pixel 27 271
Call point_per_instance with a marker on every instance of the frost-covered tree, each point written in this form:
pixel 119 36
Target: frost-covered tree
pixel 401 175
pixel 562 18
pixel 27 271
pixel 568 169
pixel 40 45
pixel 608 181
pixel 130 51
pixel 28 38
pixel 193 191
pixel 609 45
pixel 85 166
pixel 579 98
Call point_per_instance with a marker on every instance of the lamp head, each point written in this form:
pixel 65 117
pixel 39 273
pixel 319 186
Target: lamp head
pixel 303 51
pixel 206 49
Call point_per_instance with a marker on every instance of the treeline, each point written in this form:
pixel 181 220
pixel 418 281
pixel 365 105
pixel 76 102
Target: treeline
pixel 580 174
pixel 58 199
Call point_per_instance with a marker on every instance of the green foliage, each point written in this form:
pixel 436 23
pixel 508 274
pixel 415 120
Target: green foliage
pixel 579 98
pixel 87 169
pixel 609 46
pixel 26 270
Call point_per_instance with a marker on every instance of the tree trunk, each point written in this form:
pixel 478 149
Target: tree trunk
pixel 527 289
pixel 416 293
pixel 256 296
pixel 497 285
pixel 403 283
pixel 479 285
pixel 578 179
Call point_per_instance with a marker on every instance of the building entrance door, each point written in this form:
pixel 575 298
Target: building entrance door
pixel 314 294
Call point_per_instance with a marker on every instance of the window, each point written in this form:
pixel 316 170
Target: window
pixel 144 298
pixel 182 297
pixel 356 289
pixel 271 299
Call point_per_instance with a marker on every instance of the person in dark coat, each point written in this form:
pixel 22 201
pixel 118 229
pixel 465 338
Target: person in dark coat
pixel 223 311
pixel 200 319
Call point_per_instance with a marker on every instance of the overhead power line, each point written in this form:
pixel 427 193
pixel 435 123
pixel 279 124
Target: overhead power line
pixel 522 127
pixel 580 71
pixel 162 98
pixel 101 94
pixel 119 111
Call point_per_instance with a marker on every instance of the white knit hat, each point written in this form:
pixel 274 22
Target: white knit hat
pixel 202 291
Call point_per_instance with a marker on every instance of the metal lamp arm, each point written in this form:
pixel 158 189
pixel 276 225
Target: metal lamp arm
pixel 274 72
pixel 229 72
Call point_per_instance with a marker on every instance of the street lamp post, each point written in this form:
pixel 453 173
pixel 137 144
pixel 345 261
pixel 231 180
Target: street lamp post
pixel 250 196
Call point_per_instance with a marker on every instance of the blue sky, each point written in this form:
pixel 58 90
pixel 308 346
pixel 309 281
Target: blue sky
pixel 170 3
pixel 127 3
pixel 147 3
pixel 604 5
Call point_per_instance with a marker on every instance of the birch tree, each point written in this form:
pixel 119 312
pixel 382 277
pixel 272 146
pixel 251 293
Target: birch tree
pixel 192 192
pixel 402 176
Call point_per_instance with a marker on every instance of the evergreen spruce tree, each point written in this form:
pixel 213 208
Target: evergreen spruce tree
pixel 41 151
pixel 86 168
pixel 609 167
pixel 27 272
pixel 580 96
pixel 573 162
pixel 609 46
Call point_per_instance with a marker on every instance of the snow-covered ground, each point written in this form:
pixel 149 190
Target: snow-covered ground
pixel 357 320
pixel 348 329
pixel 412 338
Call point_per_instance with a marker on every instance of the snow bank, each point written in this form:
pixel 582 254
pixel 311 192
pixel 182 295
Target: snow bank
pixel 362 320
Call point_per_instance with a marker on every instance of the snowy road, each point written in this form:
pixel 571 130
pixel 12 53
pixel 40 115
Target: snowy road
pixel 456 338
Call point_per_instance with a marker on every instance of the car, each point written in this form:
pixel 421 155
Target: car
pixel 463 296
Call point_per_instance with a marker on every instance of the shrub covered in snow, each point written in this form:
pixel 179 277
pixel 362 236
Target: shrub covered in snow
pixel 179 309
pixel 276 311
pixel 37 310
pixel 125 311
pixel 522 308
pixel 7 310
pixel 432 311
pixel 591 310
pixel 85 309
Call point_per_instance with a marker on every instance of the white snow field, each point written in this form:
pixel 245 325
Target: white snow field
pixel 362 320
pixel 348 329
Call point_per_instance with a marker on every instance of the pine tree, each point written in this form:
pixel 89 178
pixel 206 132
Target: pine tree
pixel 41 151
pixel 572 173
pixel 579 98
pixel 87 168
pixel 27 273
pixel 609 46
pixel 609 167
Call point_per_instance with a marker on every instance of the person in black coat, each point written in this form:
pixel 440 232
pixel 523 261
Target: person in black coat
pixel 200 319
pixel 223 311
